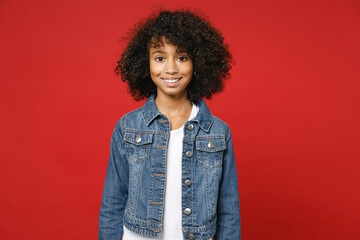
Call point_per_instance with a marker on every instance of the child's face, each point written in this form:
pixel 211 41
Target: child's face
pixel 170 69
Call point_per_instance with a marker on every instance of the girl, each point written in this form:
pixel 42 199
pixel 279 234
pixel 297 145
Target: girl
pixel 171 173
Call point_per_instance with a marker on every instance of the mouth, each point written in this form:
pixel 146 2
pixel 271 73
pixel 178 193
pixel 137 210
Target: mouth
pixel 171 79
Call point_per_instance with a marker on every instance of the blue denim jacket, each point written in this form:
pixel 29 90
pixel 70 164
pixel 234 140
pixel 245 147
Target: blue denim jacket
pixel 135 180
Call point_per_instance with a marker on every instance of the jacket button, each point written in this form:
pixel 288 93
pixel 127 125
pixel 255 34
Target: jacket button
pixel 189 154
pixel 190 127
pixel 191 236
pixel 138 139
pixel 210 145
pixel 188 182
pixel 187 211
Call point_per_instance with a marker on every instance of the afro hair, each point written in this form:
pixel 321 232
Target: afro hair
pixel 185 29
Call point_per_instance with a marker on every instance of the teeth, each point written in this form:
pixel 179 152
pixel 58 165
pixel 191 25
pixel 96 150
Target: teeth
pixel 171 81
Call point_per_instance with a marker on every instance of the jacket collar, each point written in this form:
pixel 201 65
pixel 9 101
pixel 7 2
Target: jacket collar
pixel 203 118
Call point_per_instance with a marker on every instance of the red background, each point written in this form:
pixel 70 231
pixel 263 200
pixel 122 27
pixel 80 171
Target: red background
pixel 292 104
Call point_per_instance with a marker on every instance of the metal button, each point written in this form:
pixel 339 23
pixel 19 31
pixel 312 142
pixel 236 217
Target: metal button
pixel 187 211
pixel 210 145
pixel 191 236
pixel 138 139
pixel 189 154
pixel 190 127
pixel 188 182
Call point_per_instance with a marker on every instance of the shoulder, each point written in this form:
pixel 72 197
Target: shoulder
pixel 219 123
pixel 221 128
pixel 135 114
pixel 126 119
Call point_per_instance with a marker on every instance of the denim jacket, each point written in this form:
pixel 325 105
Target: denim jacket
pixel 134 188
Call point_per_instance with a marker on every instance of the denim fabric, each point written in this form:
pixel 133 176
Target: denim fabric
pixel 135 179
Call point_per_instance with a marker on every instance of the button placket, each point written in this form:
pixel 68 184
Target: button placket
pixel 189 134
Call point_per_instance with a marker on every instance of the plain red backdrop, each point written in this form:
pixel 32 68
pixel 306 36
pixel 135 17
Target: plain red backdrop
pixel 292 104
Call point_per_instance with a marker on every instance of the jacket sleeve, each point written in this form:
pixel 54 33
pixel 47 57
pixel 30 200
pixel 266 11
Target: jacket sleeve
pixel 115 190
pixel 228 207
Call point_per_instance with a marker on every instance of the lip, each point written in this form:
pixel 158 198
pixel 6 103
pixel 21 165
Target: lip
pixel 171 81
pixel 170 78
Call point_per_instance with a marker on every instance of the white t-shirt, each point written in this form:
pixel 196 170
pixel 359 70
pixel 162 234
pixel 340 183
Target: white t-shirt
pixel 172 204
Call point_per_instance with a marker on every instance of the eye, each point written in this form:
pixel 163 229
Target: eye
pixel 159 59
pixel 182 58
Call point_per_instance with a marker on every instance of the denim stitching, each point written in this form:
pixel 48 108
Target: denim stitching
pixel 130 189
pixel 217 162
pixel 136 158
pixel 141 222
pixel 129 143
pixel 138 187
pixel 200 229
pixel 208 204
pixel 216 188
pixel 192 189
pixel 163 184
pixel 141 231
pixel 130 130
pixel 152 198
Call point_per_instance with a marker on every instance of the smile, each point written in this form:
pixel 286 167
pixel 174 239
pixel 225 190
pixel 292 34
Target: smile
pixel 171 80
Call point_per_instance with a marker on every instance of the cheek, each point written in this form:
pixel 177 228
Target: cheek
pixel 155 69
pixel 189 69
pixel 186 68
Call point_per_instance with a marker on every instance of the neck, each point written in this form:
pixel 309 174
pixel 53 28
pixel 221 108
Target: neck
pixel 173 105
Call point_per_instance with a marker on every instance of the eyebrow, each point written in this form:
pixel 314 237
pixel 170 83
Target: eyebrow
pixel 181 51
pixel 163 52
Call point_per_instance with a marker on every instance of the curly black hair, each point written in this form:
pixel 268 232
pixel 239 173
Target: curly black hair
pixel 185 29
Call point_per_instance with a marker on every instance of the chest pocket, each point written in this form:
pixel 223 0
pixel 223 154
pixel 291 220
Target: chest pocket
pixel 210 151
pixel 137 145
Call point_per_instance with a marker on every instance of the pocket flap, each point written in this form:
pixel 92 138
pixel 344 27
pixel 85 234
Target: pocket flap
pixel 138 138
pixel 211 144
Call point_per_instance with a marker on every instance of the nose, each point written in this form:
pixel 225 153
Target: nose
pixel 171 67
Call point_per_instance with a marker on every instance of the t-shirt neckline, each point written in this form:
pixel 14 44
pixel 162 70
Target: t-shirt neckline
pixel 192 115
